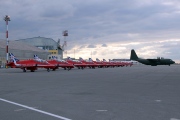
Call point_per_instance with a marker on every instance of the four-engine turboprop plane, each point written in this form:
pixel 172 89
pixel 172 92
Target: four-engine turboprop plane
pixel 60 63
pixel 152 62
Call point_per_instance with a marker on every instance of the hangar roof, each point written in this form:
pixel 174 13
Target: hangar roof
pixel 40 41
pixel 19 46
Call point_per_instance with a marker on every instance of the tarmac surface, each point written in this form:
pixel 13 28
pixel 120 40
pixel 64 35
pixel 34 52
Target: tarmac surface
pixel 126 93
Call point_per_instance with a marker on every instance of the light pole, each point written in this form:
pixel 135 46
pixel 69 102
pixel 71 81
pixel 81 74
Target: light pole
pixel 7 18
pixel 65 34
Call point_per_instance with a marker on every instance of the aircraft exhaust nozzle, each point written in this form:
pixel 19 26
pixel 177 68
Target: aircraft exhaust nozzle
pixel 133 55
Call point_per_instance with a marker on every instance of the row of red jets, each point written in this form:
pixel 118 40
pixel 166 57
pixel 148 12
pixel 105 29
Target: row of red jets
pixel 54 63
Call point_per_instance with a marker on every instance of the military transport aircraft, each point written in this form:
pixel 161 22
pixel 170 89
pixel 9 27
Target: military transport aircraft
pixel 31 64
pixel 152 62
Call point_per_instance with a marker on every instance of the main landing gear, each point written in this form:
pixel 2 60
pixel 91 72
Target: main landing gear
pixel 24 69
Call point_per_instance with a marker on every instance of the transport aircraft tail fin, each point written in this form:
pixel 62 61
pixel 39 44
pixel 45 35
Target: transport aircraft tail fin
pixel 133 55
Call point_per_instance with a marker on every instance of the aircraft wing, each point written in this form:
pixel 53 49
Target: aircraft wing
pixel 154 61
pixel 80 65
pixel 66 65
pixel 25 65
pixel 47 66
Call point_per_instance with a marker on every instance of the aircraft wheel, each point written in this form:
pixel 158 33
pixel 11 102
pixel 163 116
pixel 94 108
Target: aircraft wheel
pixel 24 70
pixel 48 70
pixel 65 68
pixel 78 67
pixel 32 70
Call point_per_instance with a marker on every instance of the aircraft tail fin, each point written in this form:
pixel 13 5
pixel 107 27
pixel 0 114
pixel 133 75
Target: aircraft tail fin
pixel 36 57
pixel 104 60
pixel 80 59
pixel 90 59
pixel 69 58
pixel 13 58
pixel 133 55
pixel 54 57
pixel 97 60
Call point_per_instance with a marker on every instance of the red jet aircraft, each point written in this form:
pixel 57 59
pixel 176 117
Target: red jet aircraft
pixel 76 63
pixel 60 63
pixel 89 64
pixel 98 62
pixel 117 63
pixel 127 63
pixel 108 63
pixel 31 64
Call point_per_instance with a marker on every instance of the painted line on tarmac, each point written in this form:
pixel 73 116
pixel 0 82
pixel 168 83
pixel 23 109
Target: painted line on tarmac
pixel 174 119
pixel 101 110
pixel 31 108
pixel 17 110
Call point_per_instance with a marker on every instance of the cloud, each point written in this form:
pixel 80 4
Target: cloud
pixel 83 46
pixel 91 46
pixel 104 45
pixel 138 24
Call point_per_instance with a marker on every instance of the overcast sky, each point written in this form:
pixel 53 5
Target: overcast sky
pixel 99 28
